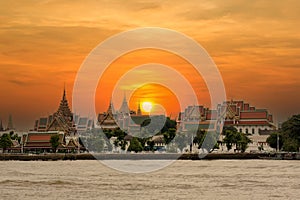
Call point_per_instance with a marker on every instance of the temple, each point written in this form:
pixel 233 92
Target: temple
pixel 245 118
pixel 61 120
pixel 107 120
pixel 124 118
pixel 256 123
pixel 62 123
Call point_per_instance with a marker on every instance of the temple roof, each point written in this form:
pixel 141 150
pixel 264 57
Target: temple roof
pixel 62 120
pixel 124 107
pixel 106 120
pixel 64 108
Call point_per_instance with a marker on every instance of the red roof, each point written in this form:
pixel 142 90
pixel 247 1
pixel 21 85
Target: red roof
pixel 253 123
pixel 211 114
pixel 253 115
pixel 39 137
pixel 246 106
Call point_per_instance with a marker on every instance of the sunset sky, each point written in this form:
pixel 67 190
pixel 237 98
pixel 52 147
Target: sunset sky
pixel 255 45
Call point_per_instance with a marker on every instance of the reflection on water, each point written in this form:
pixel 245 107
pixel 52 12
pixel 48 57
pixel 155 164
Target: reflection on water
pixel 218 179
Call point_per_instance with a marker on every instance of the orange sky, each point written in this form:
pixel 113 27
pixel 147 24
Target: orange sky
pixel 255 44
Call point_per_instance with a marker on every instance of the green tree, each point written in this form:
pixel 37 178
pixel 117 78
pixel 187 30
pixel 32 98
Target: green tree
pixel 168 124
pixel 272 140
pixel 5 142
pixel 54 140
pixel 135 145
pixel 243 142
pixel 209 141
pixel 151 145
pixel 169 135
pixel 289 135
pixel 233 137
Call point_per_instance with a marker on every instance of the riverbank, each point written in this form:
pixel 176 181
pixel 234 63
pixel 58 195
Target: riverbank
pixel 149 156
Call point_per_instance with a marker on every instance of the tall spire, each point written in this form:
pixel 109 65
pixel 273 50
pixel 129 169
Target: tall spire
pixel 64 108
pixel 64 94
pixel 111 109
pixel 139 111
pixel 124 107
pixel 10 123
pixel 63 118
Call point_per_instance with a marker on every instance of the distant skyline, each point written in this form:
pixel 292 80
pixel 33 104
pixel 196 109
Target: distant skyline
pixel 255 45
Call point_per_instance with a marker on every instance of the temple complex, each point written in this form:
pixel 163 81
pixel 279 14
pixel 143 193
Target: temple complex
pixel 256 123
pixel 245 118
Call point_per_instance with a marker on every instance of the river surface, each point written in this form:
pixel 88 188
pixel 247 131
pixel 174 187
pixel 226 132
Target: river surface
pixel 217 179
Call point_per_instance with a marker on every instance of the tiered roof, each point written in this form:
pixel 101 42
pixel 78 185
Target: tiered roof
pixel 235 113
pixel 107 120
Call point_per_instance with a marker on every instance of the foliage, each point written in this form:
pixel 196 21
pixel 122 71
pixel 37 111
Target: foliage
pixel 54 140
pixel 5 142
pixel 14 136
pixel 209 141
pixel 135 145
pixel 169 135
pixel 233 137
pixel 168 125
pixel 151 145
pixel 272 140
pixel 289 135
pixel 199 138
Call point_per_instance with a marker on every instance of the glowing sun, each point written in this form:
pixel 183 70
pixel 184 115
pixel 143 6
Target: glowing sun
pixel 147 106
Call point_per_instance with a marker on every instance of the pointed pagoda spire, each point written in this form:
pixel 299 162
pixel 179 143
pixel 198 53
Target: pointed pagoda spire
pixel 139 111
pixel 108 121
pixel 10 123
pixel 64 108
pixel 111 108
pixel 124 107
pixel 63 118
pixel 64 94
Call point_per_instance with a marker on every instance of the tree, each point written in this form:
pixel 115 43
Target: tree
pixel 209 141
pixel 54 140
pixel 169 135
pixel 233 137
pixel 135 145
pixel 243 142
pixel 5 141
pixel 151 145
pixel 168 124
pixel 289 135
pixel 272 140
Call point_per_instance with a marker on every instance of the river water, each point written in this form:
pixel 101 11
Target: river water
pixel 217 179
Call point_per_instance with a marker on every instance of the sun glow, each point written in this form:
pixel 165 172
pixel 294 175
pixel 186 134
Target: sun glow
pixel 147 106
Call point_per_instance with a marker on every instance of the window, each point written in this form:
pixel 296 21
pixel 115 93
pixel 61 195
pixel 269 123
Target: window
pixel 253 130
pixel 246 130
pixel 241 130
